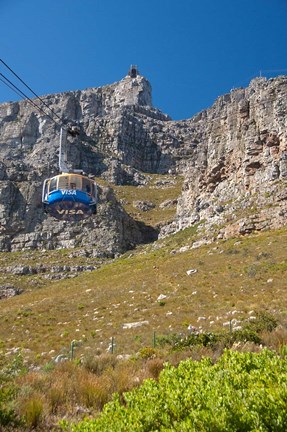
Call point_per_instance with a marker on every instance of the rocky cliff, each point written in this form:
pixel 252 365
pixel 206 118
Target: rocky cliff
pixel 233 157
pixel 235 176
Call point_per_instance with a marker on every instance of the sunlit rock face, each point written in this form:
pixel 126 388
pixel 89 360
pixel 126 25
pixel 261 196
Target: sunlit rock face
pixel 239 165
pixel 233 157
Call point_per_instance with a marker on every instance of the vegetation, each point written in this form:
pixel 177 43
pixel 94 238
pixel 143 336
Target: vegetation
pixel 161 191
pixel 185 301
pixel 240 392
pixel 81 388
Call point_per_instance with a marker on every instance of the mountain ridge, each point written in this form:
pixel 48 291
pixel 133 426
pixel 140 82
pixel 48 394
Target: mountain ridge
pixel 232 156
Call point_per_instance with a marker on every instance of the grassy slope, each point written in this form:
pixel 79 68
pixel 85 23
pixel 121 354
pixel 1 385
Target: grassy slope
pixel 94 306
pixel 159 189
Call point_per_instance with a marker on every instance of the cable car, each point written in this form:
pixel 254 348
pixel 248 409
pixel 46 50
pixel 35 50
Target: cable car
pixel 70 195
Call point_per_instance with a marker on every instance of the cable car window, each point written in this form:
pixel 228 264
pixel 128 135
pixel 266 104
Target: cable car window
pixel 53 184
pixel 87 186
pixel 63 182
pixel 93 189
pixel 75 182
pixel 45 190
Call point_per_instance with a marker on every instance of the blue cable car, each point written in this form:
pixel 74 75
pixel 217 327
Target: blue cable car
pixel 70 195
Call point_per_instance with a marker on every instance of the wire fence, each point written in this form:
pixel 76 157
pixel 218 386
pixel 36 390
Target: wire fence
pixel 131 344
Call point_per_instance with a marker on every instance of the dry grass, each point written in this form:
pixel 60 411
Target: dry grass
pixel 159 189
pixel 233 278
pixel 275 339
pixel 73 392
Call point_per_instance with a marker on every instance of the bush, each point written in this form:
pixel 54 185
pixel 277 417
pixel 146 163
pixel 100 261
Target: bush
pixel 98 364
pixel 178 341
pixel 32 412
pixel 8 416
pixel 94 394
pixel 246 334
pixel 241 392
pixel 252 331
pixel 155 366
pixel 263 322
pixel 8 392
pixel 147 353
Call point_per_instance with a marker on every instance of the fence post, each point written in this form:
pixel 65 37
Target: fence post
pixel 72 349
pixel 154 339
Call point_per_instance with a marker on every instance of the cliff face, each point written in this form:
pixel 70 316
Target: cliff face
pixel 237 173
pixel 233 157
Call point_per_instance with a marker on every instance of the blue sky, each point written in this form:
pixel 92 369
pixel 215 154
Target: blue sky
pixel 191 51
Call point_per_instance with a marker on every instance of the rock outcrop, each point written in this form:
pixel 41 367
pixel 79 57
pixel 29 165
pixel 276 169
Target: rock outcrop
pixel 233 157
pixel 7 291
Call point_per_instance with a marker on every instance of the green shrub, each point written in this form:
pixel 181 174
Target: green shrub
pixel 241 392
pixel 264 322
pixel 8 392
pixel 252 330
pixel 178 341
pixel 8 416
pixel 147 353
pixel 244 335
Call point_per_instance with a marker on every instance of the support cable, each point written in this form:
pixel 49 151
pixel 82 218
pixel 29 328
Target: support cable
pixel 8 85
pixel 31 90
pixel 30 101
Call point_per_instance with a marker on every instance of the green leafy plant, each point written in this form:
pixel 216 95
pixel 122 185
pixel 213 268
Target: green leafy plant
pixel 180 341
pixel 241 392
pixel 9 390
